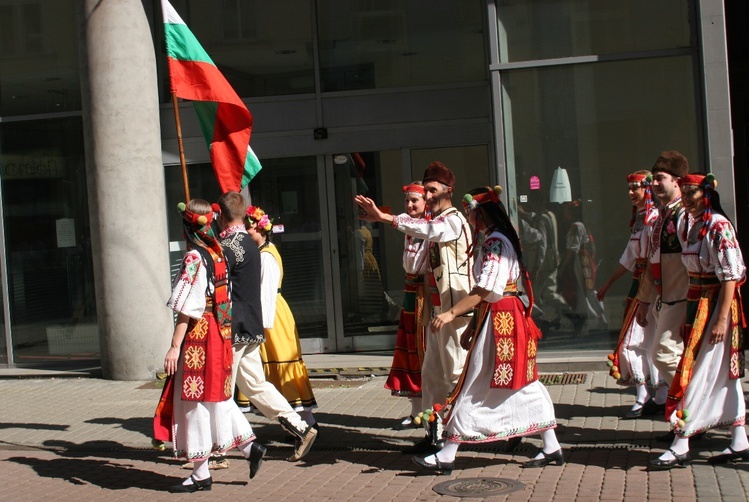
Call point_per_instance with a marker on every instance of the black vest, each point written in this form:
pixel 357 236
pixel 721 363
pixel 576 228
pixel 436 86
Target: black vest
pixel 243 259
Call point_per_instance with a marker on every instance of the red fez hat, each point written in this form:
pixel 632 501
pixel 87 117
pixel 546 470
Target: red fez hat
pixel 437 171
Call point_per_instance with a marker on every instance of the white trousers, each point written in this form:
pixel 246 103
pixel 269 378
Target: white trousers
pixel 667 342
pixel 443 361
pixel 247 373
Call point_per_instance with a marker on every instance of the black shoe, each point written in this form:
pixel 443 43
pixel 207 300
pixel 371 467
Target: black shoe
pixel 439 467
pixel 697 437
pixel 424 446
pixel 651 408
pixel 663 465
pixel 666 438
pixel 257 452
pixel 197 485
pixel 511 444
pixel 631 414
pixel 555 458
pixel 724 458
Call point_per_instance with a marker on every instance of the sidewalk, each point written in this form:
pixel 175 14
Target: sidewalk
pixel 82 439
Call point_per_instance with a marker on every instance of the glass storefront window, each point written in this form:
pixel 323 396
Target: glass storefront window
pixel 374 44
pixel 546 29
pixel 262 48
pixel 288 191
pixel 38 57
pixel 596 123
pixel 48 245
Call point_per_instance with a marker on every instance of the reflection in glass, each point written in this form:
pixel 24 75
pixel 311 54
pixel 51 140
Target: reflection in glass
pixel 39 45
pixel 262 48
pixel 287 190
pixel 545 29
pixel 598 122
pixel 53 307
pixel 368 44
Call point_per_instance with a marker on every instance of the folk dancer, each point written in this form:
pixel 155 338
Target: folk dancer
pixel 498 395
pixel 706 392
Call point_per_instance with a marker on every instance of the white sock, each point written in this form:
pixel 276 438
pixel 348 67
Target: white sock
pixel 739 440
pixel 551 444
pixel 246 449
pixel 307 416
pixel 642 396
pixel 661 394
pixel 448 452
pixel 199 471
pixel 680 446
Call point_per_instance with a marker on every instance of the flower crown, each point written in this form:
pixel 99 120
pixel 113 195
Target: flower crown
pixel 254 213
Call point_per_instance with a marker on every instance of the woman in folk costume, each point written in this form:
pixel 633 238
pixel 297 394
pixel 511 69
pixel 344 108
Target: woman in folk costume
pixel 706 391
pixel 498 395
pixel 405 371
pixel 631 362
pixel 578 270
pixel 281 353
pixel 196 411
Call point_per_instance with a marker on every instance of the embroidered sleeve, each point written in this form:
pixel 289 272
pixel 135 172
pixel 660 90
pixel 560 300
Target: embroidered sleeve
pixel 495 266
pixel 443 228
pixel 189 287
pixel 270 274
pixel 725 252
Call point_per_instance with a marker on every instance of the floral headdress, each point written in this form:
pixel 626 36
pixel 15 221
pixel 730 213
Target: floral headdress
pixel 645 181
pixel 254 213
pixel 708 183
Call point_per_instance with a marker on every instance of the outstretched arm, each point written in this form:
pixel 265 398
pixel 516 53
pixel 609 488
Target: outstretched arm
pixel 372 212
pixel 620 271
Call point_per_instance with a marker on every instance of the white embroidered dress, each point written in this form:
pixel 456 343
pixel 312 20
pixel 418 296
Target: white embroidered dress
pixel 480 413
pixel 712 398
pixel 201 428
pixel 635 355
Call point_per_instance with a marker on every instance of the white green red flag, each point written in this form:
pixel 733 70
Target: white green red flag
pixel 224 119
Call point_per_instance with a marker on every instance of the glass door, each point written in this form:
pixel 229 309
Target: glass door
pixel 367 259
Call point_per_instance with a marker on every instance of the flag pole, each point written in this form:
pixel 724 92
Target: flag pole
pixel 181 148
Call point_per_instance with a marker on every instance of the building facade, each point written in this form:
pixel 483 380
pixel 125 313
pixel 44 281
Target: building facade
pixel 347 97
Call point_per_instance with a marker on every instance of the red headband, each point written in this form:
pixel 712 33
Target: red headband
pixel 195 219
pixel 692 179
pixel 635 178
pixel 412 188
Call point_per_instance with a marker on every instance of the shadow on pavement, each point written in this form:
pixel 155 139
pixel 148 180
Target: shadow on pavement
pixel 109 474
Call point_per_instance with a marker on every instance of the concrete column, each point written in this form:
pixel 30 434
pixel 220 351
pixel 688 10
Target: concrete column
pixel 719 132
pixel 125 187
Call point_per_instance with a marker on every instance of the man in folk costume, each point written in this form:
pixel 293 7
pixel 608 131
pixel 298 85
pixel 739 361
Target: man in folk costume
pixel 664 287
pixel 450 276
pixel 243 259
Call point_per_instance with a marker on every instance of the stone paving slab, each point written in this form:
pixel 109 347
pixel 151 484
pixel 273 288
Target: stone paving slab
pixel 84 439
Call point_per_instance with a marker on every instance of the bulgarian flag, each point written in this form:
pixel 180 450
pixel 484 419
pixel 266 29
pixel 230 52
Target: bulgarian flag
pixel 224 119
